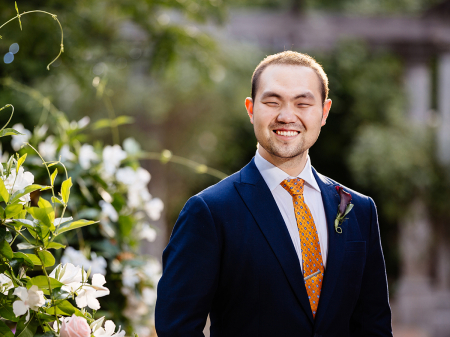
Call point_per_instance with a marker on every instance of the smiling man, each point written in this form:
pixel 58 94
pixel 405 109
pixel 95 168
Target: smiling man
pixel 276 249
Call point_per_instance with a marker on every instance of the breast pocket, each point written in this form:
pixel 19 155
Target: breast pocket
pixel 356 246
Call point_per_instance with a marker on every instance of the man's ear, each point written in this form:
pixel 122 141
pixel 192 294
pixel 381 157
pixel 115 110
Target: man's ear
pixel 326 111
pixel 249 107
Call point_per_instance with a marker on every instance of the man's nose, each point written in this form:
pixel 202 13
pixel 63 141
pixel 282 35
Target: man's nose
pixel 287 115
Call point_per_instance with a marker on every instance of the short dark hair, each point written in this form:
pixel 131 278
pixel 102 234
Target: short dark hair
pixel 290 57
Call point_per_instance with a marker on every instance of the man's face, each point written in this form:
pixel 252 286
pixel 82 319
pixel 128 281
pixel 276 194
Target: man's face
pixel 287 113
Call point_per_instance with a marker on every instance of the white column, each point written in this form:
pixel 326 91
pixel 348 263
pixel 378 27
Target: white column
pixel 418 90
pixel 414 300
pixel 444 108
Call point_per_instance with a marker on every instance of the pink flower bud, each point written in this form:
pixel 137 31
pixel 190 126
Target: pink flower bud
pixel 75 327
pixel 346 198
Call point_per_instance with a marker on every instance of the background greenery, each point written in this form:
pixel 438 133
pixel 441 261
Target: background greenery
pixel 186 90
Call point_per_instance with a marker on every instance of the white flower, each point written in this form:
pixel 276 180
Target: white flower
pixel 69 275
pixel 73 256
pixel 153 208
pixel 86 155
pixel 65 154
pixel 129 276
pixel 17 141
pixel 148 233
pixel 109 210
pixel 88 294
pixel 97 264
pixel 137 197
pixel 48 148
pixel 5 284
pixel 83 122
pixel 136 181
pixel 61 319
pixel 32 298
pixel 108 331
pixel 128 176
pixel 112 156
pixel 15 183
pixel 149 296
pixel 41 131
pixel 131 146
pixel 152 270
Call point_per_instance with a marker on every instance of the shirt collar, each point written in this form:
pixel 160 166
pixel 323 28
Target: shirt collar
pixel 273 176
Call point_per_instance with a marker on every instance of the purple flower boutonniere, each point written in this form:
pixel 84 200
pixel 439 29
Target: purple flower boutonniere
pixel 343 209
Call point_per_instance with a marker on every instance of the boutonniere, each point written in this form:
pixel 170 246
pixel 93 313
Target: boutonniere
pixel 343 209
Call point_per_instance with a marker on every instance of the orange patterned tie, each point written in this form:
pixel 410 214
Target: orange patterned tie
pixel 309 242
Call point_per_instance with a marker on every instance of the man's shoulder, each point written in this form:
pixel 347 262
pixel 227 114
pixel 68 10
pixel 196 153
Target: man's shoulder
pixel 221 190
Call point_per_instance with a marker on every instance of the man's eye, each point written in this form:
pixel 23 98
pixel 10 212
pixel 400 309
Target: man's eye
pixel 302 105
pixel 272 103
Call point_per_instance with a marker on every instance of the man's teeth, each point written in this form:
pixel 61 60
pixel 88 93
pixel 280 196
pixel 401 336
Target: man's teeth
pixel 287 133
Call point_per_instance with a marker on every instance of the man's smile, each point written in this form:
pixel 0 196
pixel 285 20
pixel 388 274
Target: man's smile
pixel 284 133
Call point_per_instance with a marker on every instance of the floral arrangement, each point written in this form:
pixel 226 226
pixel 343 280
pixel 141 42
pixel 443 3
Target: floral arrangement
pixel 35 302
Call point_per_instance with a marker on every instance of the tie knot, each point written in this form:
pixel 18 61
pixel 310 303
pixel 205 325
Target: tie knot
pixel 293 186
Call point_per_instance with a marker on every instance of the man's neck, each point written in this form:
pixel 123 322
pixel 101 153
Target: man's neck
pixel 292 166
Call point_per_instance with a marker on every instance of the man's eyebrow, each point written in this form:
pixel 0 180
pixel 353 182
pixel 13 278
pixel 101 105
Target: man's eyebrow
pixel 305 95
pixel 270 94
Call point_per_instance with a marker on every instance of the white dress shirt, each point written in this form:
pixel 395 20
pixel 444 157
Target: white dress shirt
pixel 273 176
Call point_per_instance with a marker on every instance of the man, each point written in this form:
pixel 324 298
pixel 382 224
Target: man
pixel 260 251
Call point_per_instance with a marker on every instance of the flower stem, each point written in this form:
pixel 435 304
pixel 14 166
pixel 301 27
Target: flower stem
pixel 49 286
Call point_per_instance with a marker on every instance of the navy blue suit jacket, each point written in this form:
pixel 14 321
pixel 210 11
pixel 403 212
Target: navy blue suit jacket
pixel 230 255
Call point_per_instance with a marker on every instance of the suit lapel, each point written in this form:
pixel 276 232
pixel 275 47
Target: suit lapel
pixel 259 200
pixel 336 244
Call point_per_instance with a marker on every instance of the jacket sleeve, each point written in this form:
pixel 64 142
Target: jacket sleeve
pixel 372 315
pixel 191 263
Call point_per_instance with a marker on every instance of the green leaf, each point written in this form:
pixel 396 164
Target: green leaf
pixel 12 210
pixel 67 226
pixel 18 223
pixel 55 245
pixel 3 191
pixel 26 259
pixel 18 15
pixel 56 200
pixel 20 162
pixel 48 333
pixel 101 123
pixel 4 330
pixel 5 250
pixel 42 282
pixel 45 204
pixel 45 318
pixel 26 245
pixel 47 258
pixel 120 120
pixel 9 132
pixel 9 165
pixel 64 308
pixel 29 189
pixel 7 312
pixel 53 176
pixel 65 189
pixel 26 329
pixel 3 232
pixel 34 259
pixel 41 215
pixel 59 294
pixel 46 188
